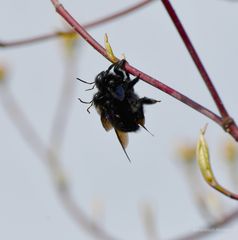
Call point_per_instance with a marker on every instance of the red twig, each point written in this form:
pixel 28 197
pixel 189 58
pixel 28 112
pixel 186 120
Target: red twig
pixel 228 125
pixel 195 58
pixel 88 25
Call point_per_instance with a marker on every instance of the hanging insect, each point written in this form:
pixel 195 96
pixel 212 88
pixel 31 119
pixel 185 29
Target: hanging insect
pixel 116 102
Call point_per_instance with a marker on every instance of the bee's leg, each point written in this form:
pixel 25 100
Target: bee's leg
pixel 91 88
pixel 90 107
pixel 119 69
pixel 110 68
pixel 146 100
pixel 120 64
pixel 132 83
pixel 141 120
pixel 84 101
pixel 91 104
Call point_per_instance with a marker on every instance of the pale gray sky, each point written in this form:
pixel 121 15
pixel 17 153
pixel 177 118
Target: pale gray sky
pixel 94 162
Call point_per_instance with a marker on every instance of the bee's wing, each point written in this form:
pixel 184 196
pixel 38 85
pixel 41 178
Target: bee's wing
pixel 106 124
pixel 123 139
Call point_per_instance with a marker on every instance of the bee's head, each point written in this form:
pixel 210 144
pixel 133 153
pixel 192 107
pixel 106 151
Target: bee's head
pixel 111 84
pixel 100 80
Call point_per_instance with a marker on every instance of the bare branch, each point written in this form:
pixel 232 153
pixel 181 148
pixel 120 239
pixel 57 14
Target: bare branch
pixel 195 58
pixel 211 228
pixel 88 25
pixel 152 81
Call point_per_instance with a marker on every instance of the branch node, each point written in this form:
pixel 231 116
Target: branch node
pixel 226 123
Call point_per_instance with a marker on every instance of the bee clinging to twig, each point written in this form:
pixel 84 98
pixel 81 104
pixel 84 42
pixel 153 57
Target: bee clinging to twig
pixel 117 103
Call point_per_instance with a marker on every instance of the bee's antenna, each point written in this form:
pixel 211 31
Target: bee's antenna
pixel 85 81
pixel 91 88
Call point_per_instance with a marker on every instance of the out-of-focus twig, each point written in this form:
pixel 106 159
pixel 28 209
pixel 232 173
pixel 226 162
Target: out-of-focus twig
pixel 94 23
pixel 62 112
pixel 229 151
pixel 208 203
pixel 149 222
pixel 195 57
pixel 51 159
pixel 212 228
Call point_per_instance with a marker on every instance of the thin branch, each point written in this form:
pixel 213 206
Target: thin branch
pixel 28 133
pixel 88 25
pixel 211 228
pixel 63 109
pixel 50 157
pixel 91 226
pixel 60 121
pixel 228 126
pixel 24 126
pixel 195 58
pixel 118 14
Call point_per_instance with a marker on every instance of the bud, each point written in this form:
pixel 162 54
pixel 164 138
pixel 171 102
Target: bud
pixel 205 166
pixel 203 159
pixel 230 151
pixel 109 51
pixel 187 153
pixel 69 40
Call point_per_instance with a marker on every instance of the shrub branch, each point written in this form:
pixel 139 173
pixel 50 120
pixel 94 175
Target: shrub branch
pixel 228 125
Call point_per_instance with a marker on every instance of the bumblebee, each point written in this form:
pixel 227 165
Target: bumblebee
pixel 117 103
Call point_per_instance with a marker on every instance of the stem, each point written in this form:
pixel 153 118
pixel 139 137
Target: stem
pixel 118 14
pixel 172 92
pixel 195 58
pixel 88 25
pixel 154 82
pixel 205 231
pixel 64 105
pixel 50 157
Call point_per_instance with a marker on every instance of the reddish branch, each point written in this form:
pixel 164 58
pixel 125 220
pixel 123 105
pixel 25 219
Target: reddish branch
pixel 195 57
pixel 227 123
pixel 86 25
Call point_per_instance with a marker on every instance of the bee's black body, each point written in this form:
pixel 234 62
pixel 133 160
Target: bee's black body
pixel 117 103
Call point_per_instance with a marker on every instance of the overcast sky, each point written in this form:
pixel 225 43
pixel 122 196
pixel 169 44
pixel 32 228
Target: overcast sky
pixel 95 165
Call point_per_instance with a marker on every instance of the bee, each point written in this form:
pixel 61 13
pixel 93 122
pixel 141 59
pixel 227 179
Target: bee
pixel 117 103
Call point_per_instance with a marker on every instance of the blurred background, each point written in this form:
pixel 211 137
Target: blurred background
pixel 47 134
